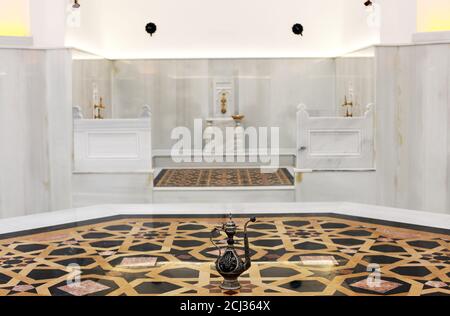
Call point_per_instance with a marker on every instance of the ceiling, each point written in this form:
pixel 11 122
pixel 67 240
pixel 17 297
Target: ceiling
pixel 221 29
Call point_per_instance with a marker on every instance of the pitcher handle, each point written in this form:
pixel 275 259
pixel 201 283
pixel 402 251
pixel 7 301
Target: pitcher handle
pixel 212 241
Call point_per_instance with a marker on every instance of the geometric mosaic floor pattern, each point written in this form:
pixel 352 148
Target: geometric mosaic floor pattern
pixel 225 177
pixel 308 254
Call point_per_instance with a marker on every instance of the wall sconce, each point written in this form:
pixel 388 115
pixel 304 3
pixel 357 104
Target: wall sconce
pixel 76 5
pixel 151 28
pixel 297 29
pixel 368 3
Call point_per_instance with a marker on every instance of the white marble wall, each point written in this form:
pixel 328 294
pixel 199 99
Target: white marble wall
pixel 180 91
pixel 333 186
pixel 35 131
pixel 86 74
pixel 112 188
pixel 413 127
pixel 356 74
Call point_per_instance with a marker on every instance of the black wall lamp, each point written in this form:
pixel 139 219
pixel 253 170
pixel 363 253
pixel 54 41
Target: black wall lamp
pixel 298 29
pixel 151 28
pixel 76 5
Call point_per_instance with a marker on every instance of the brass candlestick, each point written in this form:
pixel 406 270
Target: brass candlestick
pixel 223 103
pixel 98 110
pixel 348 108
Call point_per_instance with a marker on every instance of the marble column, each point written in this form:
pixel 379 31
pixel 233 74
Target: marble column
pixel 413 131
pixel 35 131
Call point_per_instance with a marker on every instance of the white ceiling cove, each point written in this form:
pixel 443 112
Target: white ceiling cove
pixel 222 29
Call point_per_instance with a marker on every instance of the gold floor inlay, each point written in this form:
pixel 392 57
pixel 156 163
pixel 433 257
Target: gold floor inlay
pixel 292 255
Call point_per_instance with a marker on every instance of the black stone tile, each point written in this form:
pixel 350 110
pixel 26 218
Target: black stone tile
pixel 437 293
pixel 262 226
pixel 79 261
pixel 267 243
pixel 357 233
pixel 187 243
pixel 182 273
pixel 334 225
pixel 304 286
pixel 205 235
pixel 387 248
pixel 31 247
pixel 412 271
pixel 107 244
pixel 423 244
pixel 191 227
pixel 155 287
pixel 380 259
pixel 4 279
pixel 156 224
pixel 119 228
pixel 278 272
pixel 310 246
pixel 67 251
pixel 348 241
pixel 296 223
pixel 250 234
pixel 95 235
pixel 145 247
pixel 46 274
pixel 12 262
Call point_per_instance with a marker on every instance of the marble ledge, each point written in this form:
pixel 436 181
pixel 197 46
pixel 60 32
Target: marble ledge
pixel 297 170
pixel 149 171
pixel 428 219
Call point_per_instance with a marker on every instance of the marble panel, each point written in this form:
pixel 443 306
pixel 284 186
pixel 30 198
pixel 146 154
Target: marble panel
pixel 356 76
pixel 35 131
pixel 88 74
pixel 179 91
pixel 413 126
pixel 356 187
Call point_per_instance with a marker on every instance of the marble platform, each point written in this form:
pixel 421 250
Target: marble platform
pixel 100 211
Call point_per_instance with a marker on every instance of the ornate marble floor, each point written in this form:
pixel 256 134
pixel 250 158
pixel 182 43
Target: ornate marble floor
pixel 225 177
pixel 308 254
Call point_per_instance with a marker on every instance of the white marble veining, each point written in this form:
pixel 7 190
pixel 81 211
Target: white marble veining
pixel 335 143
pixel 267 90
pixel 35 131
pixel 327 186
pixel 86 75
pixel 356 76
pixel 224 195
pixel 181 90
pixel 413 131
pixel 119 188
pixel 112 145
pixel 60 127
